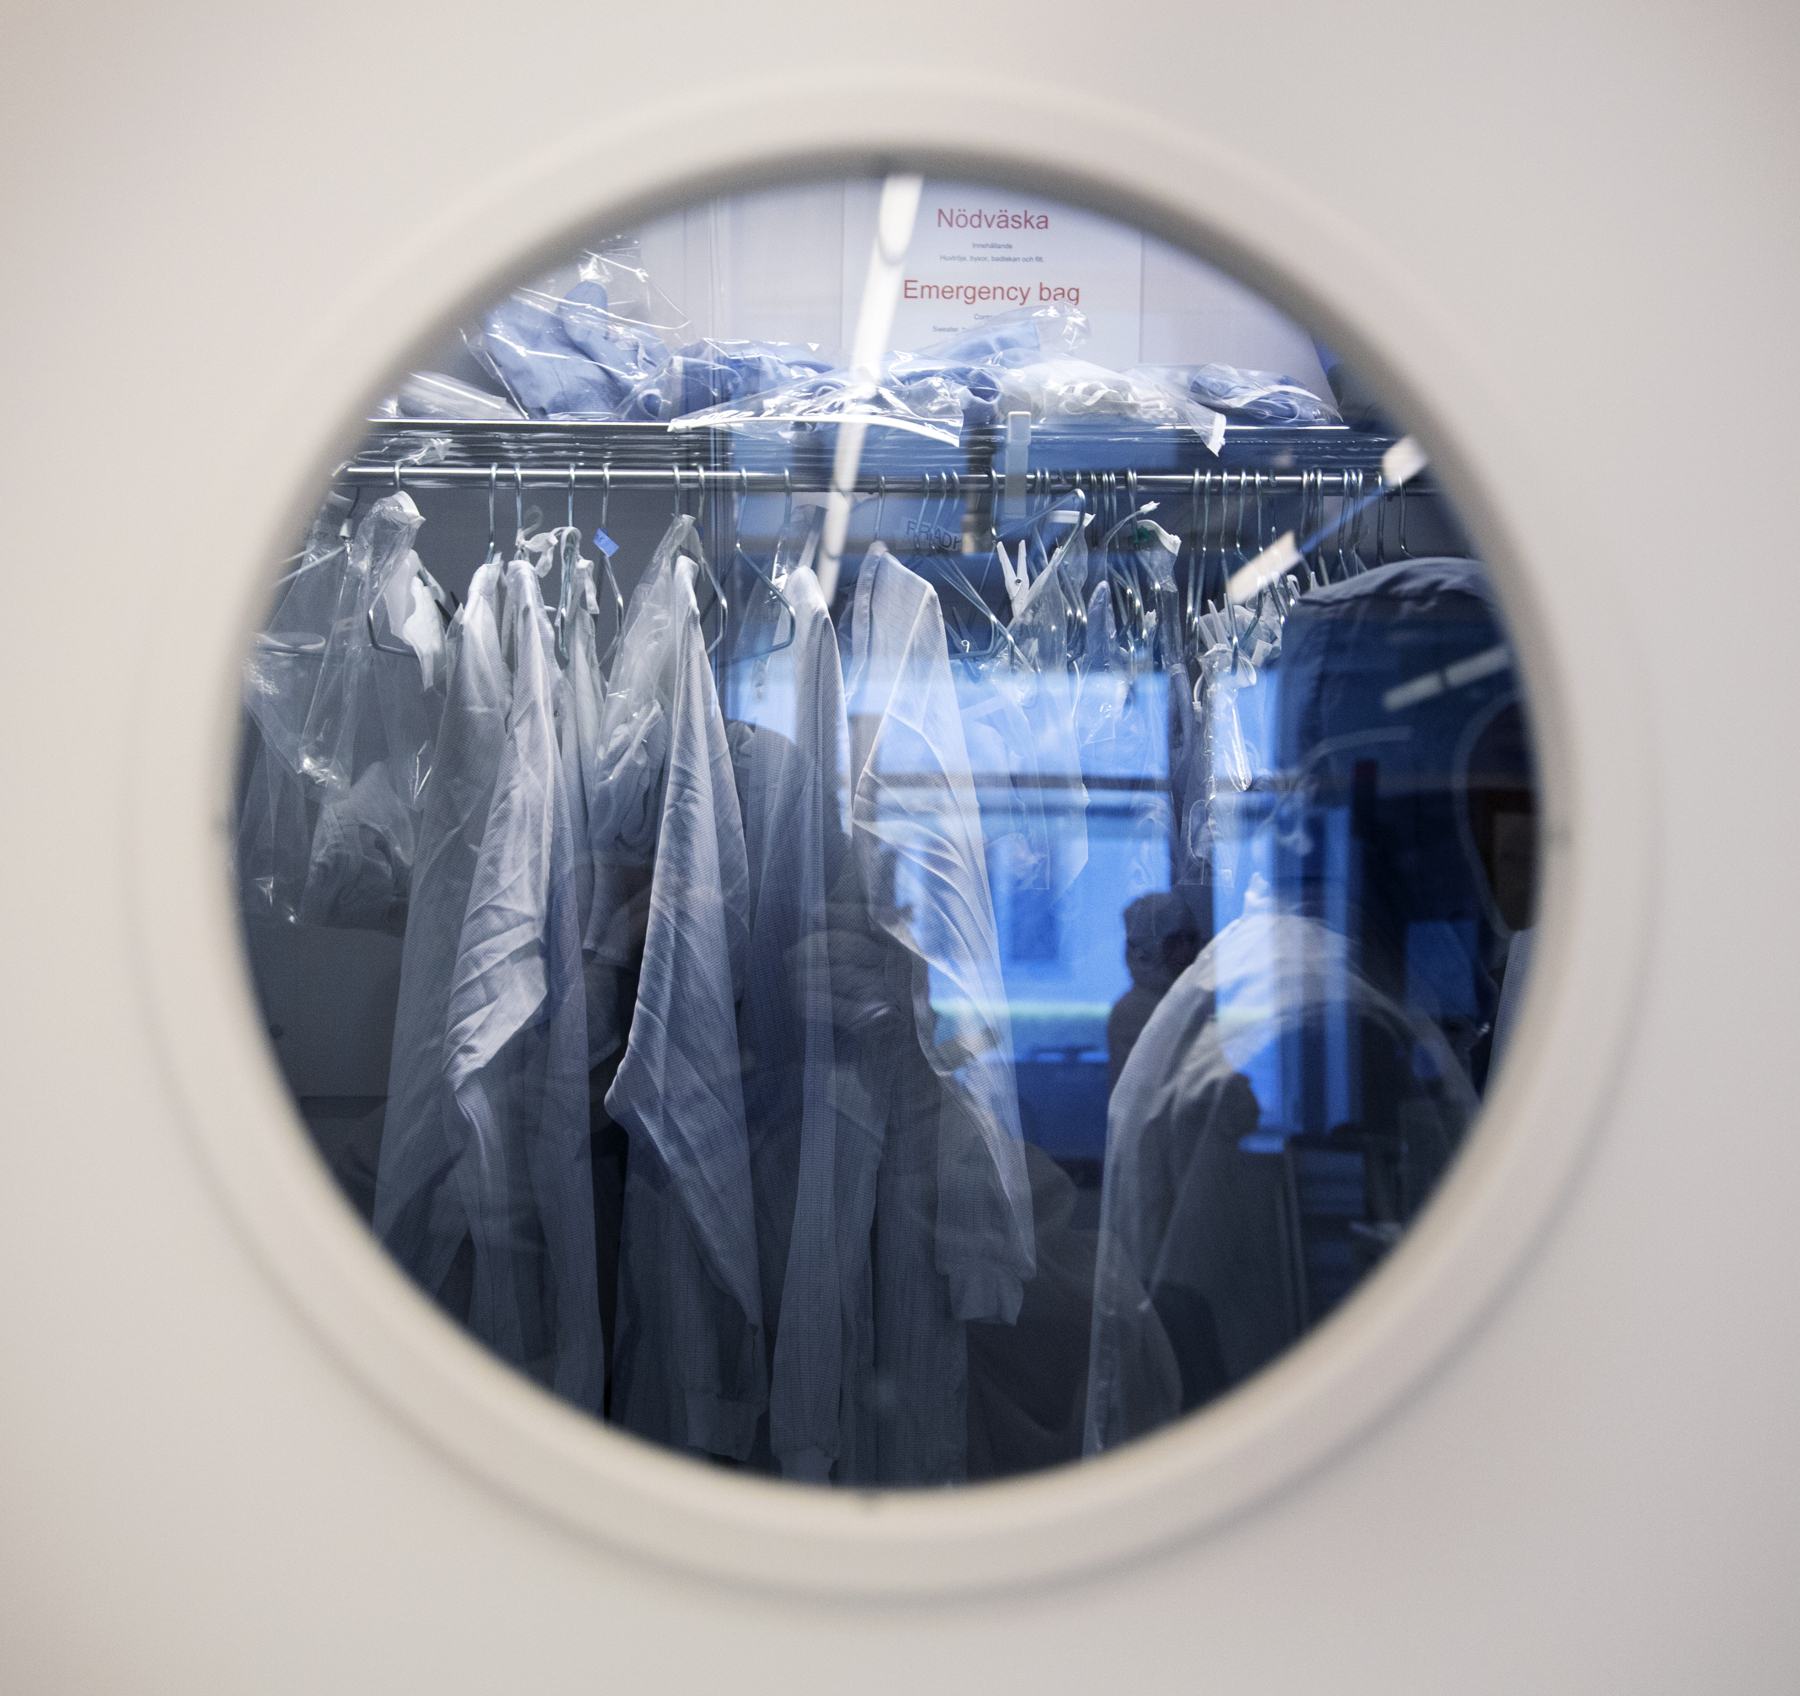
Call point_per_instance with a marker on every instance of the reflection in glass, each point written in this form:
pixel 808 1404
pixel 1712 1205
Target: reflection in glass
pixel 893 917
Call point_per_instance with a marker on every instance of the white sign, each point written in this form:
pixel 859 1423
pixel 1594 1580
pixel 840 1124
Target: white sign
pixel 979 252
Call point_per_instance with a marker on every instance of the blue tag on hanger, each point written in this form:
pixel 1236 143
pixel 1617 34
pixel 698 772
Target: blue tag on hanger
pixel 605 543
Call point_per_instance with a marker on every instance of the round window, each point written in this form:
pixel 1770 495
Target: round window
pixel 886 831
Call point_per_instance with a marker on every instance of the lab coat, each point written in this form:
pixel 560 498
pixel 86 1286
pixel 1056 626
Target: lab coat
pixel 486 1140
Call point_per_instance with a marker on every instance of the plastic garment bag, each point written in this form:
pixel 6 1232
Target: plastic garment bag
pixel 690 1357
pixel 569 356
pixel 280 679
pixel 992 692
pixel 367 745
pixel 1200 1279
pixel 274 840
pixel 1041 633
pixel 359 863
pixel 1234 642
pixel 713 373
pixel 580 718
pixel 282 674
pixel 1256 397
pixel 409 696
pixel 953 1229
pixel 347 730
pixel 483 1192
pixel 916 830
pixel 1027 1397
pixel 380 548
pixel 1122 726
pixel 433 394
pixel 814 1195
pixel 923 403
pixel 1055 389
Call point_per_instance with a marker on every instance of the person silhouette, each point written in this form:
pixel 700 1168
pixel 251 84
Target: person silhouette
pixel 1161 941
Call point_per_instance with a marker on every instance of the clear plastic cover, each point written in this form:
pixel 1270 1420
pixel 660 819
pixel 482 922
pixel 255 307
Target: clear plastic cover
pixel 483 1191
pixel 712 373
pixel 281 677
pixel 916 832
pixel 1257 397
pixel 432 394
pixel 347 725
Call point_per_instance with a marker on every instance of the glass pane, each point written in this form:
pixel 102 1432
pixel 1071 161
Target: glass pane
pixel 886 832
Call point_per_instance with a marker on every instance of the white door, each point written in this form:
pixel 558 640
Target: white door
pixel 1550 1451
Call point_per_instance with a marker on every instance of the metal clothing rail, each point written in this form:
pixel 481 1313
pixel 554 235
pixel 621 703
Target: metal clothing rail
pixel 952 485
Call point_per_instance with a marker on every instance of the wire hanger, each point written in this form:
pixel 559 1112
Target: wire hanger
pixel 571 562
pixel 787 606
pixel 1350 527
pixel 606 565
pixel 952 575
pixel 718 589
pixel 493 552
pixel 1196 574
pixel 1129 605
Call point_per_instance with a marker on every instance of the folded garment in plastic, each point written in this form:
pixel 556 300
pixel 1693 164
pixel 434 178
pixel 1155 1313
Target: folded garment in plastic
pixel 713 373
pixel 580 351
pixel 1254 397
pixel 930 406
pixel 1021 361
pixel 567 357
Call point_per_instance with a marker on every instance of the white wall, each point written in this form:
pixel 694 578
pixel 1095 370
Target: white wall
pixel 1599 1492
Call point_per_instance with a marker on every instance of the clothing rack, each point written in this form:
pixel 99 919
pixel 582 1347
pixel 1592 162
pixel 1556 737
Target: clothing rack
pixel 595 454
pixel 506 475
pixel 1286 474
